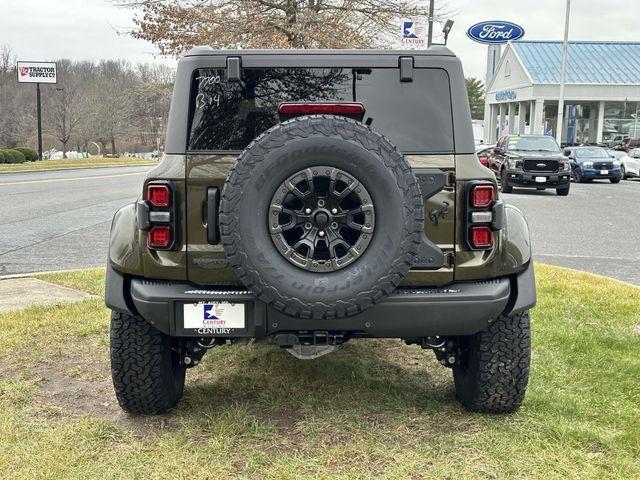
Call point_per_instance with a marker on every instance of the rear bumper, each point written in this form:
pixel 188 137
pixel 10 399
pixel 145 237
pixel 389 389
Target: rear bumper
pixel 462 308
pixel 520 178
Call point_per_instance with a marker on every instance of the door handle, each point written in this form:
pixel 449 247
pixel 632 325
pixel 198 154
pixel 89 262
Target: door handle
pixel 213 203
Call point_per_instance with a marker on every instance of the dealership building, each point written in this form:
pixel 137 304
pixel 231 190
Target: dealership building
pixel 602 91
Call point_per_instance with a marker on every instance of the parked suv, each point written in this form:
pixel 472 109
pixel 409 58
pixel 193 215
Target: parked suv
pixel 530 161
pixel 308 198
pixel 591 163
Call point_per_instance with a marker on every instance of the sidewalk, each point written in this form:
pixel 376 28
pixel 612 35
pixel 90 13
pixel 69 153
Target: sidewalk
pixel 24 292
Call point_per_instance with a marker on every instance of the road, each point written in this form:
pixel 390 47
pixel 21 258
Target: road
pixel 60 220
pixel 596 228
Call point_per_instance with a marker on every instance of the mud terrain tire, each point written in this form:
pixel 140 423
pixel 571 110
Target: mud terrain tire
pixel 146 372
pixel 493 372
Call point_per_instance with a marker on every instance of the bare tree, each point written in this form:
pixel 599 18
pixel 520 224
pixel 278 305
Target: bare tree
pixel 17 103
pixel 176 25
pixel 64 106
pixel 112 97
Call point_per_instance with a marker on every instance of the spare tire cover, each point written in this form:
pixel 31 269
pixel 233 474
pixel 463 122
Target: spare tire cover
pixel 321 217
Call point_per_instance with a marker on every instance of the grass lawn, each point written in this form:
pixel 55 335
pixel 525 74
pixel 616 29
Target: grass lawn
pixel 74 163
pixel 374 409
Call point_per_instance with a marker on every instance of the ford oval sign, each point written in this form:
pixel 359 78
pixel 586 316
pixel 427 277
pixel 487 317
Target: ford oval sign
pixel 495 31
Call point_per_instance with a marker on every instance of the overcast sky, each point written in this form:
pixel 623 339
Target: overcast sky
pixel 86 29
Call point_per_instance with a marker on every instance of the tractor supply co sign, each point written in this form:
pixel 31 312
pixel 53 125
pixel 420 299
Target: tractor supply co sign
pixel 37 72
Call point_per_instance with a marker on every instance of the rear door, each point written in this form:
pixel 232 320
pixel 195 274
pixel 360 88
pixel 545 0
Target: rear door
pixel 226 115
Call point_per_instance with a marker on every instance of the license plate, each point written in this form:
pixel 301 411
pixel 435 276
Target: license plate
pixel 541 179
pixel 604 172
pixel 214 315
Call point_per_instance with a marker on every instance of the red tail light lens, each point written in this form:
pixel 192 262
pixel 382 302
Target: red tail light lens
pixel 483 160
pixel 159 195
pixel 321 108
pixel 159 237
pixel 482 196
pixel 481 237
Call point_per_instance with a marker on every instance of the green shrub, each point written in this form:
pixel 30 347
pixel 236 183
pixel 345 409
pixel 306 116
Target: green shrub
pixel 14 156
pixel 30 154
pixel 1 157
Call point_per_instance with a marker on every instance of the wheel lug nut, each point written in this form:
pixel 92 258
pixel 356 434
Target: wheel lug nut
pixel 307 226
pixel 321 233
pixel 334 225
pixel 334 210
pixel 307 211
pixel 321 203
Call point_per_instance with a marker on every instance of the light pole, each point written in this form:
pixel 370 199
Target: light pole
pixel 430 31
pixel 563 74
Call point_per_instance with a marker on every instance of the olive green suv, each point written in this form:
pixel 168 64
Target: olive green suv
pixel 309 198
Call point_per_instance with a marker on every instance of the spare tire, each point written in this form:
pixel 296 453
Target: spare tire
pixel 321 217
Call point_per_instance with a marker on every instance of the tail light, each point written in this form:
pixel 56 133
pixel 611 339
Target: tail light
pixel 347 109
pixel 159 237
pixel 160 216
pixel 481 237
pixel 484 160
pixel 481 199
pixel 482 195
pixel 159 195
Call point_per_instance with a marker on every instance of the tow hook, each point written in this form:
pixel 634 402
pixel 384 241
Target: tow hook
pixel 191 351
pixel 444 349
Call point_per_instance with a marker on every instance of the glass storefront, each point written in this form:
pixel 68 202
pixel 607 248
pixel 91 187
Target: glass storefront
pixel 621 119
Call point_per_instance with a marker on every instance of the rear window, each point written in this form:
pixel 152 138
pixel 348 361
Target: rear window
pixel 415 116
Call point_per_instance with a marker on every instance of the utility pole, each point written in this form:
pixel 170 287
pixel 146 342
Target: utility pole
pixel 39 114
pixel 430 31
pixel 563 74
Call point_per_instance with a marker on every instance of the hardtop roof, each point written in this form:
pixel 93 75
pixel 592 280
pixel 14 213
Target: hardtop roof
pixel 436 50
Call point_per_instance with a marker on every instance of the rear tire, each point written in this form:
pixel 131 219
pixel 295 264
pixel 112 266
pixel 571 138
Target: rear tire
pixel 146 371
pixel 493 369
pixel 504 182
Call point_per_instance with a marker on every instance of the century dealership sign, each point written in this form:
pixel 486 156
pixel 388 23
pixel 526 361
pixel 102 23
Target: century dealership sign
pixel 495 32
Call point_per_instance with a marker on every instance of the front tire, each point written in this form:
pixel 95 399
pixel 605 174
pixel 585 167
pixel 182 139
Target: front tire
pixel 145 367
pixel 493 369
pixel 615 180
pixel 623 173
pixel 504 182
pixel 577 176
pixel 563 192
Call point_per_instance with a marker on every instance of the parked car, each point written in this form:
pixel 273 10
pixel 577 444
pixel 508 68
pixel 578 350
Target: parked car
pixel 616 140
pixel 628 144
pixel 483 152
pixel 590 163
pixel 530 161
pixel 320 231
pixel 630 164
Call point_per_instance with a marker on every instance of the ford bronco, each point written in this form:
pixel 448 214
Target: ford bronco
pixel 309 198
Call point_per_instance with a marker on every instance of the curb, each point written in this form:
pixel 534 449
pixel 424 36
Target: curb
pixel 590 273
pixel 62 169
pixel 34 274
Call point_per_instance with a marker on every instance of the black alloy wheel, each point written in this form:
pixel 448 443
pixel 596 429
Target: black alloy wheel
pixel 321 219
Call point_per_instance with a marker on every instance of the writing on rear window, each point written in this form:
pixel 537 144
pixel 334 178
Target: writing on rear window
pixel 227 116
pixel 207 97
